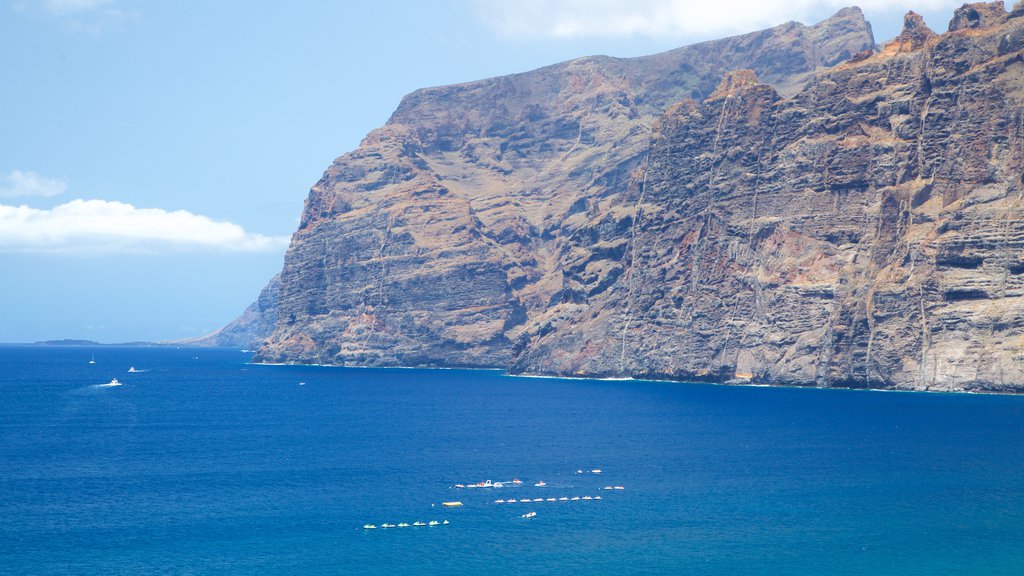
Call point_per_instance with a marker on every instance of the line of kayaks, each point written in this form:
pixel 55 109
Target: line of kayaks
pixel 490 484
pixel 405 525
pixel 562 499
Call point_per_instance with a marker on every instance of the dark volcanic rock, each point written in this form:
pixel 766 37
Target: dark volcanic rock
pixel 251 329
pixel 978 15
pixel 444 235
pixel 866 233
pixel 723 212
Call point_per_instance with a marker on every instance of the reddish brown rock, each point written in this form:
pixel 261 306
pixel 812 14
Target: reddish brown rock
pixel 914 35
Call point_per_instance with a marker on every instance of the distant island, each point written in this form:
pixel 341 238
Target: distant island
pixel 74 342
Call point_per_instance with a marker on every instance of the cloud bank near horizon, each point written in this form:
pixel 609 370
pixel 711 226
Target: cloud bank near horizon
pixel 666 18
pixel 103 227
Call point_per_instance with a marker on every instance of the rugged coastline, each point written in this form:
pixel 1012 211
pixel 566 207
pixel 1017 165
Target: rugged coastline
pixel 788 207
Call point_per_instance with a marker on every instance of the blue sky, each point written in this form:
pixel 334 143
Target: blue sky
pixel 154 156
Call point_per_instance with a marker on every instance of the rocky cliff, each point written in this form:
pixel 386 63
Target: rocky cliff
pixel 788 207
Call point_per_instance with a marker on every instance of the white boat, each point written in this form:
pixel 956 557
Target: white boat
pixel 619 488
pixel 597 497
pixel 499 501
pixel 369 526
pixel 563 499
pixel 113 382
pixel 538 499
pixel 595 471
pixel 511 501
pixel 387 525
pixel 403 524
pixel 587 498
pixel 445 522
pixel 433 523
pixel 574 498
pixel 455 504
pixel 132 369
pixel 529 515
pixel 541 483
pixel 92 360
pixel 608 488
pixel 419 523
pixel 550 499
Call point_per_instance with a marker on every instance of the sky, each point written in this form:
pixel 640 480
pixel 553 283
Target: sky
pixel 154 156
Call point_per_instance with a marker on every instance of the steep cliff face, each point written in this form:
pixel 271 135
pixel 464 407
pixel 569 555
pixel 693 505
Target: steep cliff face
pixel 858 226
pixel 251 329
pixel 866 232
pixel 443 235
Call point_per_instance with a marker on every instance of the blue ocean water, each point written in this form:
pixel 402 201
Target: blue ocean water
pixel 205 464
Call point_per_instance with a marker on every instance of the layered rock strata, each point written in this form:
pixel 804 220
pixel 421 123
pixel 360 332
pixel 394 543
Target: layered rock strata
pixel 444 234
pixel 729 211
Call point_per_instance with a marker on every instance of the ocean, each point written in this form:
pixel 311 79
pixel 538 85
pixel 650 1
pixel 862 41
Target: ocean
pixel 201 463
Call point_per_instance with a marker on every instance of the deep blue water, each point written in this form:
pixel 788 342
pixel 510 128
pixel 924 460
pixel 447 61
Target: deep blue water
pixel 204 464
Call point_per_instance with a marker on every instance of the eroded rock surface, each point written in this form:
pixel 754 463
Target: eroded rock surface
pixel 725 211
pixel 443 236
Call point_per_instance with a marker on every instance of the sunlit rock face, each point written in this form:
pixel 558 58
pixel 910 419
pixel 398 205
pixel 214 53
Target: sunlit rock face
pixel 787 207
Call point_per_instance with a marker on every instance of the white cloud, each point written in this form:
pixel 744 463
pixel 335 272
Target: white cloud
pixel 666 18
pixel 100 226
pixel 19 183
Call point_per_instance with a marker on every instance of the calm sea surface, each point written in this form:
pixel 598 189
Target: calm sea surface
pixel 204 464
